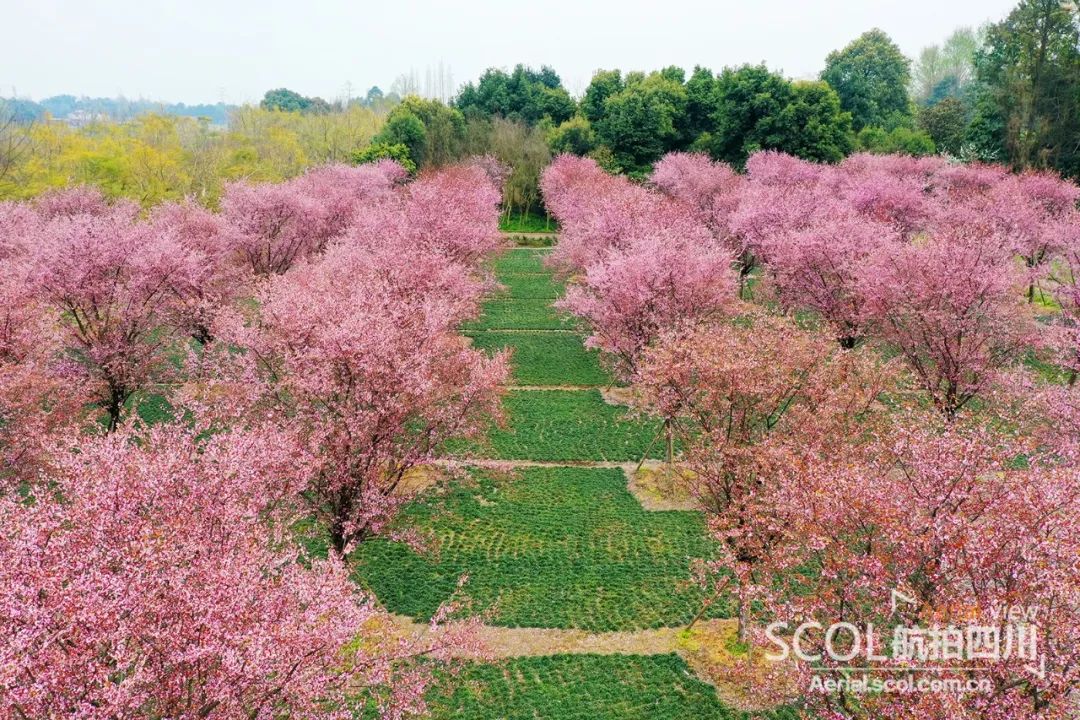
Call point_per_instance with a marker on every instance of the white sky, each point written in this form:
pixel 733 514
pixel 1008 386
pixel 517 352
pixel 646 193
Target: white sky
pixel 234 50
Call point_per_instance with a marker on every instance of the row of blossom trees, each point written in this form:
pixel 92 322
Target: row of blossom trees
pixel 305 341
pixel 840 349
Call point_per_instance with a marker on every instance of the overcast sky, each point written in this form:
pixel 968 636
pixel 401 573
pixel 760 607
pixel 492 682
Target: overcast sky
pixel 234 50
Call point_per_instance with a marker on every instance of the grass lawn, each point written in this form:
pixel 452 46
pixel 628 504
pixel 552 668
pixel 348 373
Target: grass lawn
pixel 527 223
pixel 546 358
pixel 583 687
pixel 511 314
pixel 560 425
pixel 521 261
pixel 545 547
pixel 530 286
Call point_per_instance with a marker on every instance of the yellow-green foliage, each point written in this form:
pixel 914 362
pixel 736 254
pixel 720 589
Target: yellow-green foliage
pixel 162 157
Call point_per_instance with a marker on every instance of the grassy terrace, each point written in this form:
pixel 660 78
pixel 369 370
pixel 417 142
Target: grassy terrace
pixel 546 358
pixel 584 687
pixel 553 547
pixel 546 547
pixel 566 425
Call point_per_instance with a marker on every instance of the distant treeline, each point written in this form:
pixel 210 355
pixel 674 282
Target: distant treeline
pixel 1008 93
pixel 84 109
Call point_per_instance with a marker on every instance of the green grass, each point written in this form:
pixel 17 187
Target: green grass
pixel 511 314
pixel 545 547
pixel 530 286
pixel 546 358
pixel 582 687
pixel 565 425
pixel 527 223
pixel 521 261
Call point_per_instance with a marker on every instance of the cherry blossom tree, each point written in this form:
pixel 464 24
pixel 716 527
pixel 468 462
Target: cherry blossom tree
pixel 358 355
pixel 272 226
pixel 452 211
pixel 157 576
pixel 598 212
pixel 214 280
pixel 35 396
pixel 1034 212
pixel 109 283
pixel 783 195
pixel 1065 278
pixel 750 397
pixel 822 267
pixel 666 278
pixel 81 200
pixel 710 190
pixel 890 189
pixel 944 515
pixel 951 305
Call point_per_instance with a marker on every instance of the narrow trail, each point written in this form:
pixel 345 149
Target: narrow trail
pixel 505 642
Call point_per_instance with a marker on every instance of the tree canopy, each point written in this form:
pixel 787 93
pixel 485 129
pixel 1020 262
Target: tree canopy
pixel 871 77
pixel 1028 110
pixel 525 95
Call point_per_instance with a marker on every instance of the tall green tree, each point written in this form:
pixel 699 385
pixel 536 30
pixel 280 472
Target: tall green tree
pixel 946 123
pixel 285 100
pixel 574 136
pixel 813 126
pixel 403 129
pixel 641 122
pixel 757 109
pixel 945 70
pixel 701 103
pixel 871 76
pixel 748 101
pixel 604 84
pixel 1029 87
pixel 524 95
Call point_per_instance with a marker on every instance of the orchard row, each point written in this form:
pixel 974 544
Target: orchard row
pixel 303 344
pixel 841 351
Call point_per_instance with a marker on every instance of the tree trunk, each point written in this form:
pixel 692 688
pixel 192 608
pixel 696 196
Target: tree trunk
pixel 744 621
pixel 670 442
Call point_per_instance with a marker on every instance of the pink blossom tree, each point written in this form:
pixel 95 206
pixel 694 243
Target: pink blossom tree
pixel 272 226
pixel 670 276
pixel 783 195
pixel 1065 278
pixel 710 190
pixel 598 212
pixel 109 283
pixel 951 305
pixel 80 200
pixel 358 356
pixel 822 268
pixel 214 280
pixel 36 399
pixel 1034 213
pixel 945 516
pixel 158 576
pixel 892 190
pixel 751 398
pixel 452 211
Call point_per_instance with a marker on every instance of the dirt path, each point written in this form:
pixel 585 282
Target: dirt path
pixel 531 236
pixel 507 642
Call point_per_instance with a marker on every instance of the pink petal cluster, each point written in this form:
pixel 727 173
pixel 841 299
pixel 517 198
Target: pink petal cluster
pixel 358 356
pixel 272 226
pixel 157 576
pixel 639 262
